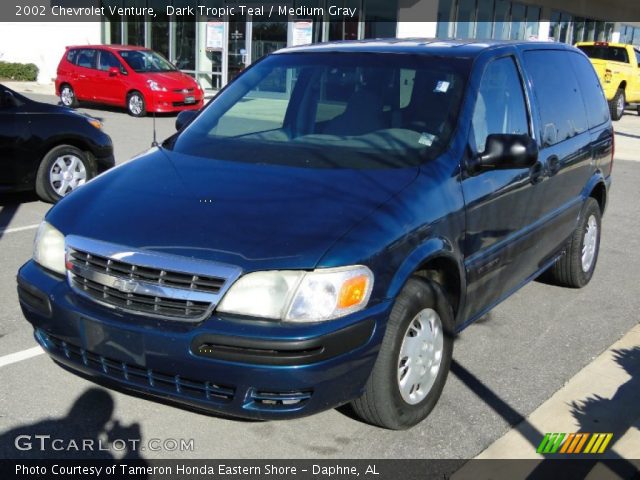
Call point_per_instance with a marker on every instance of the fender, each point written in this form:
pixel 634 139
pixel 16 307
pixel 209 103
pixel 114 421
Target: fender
pixel 597 178
pixel 434 247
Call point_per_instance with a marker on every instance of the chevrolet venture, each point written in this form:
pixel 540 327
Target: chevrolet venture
pixel 320 231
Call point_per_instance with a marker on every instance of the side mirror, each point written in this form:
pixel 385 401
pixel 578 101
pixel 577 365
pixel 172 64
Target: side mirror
pixel 7 100
pixel 184 118
pixel 114 71
pixel 505 151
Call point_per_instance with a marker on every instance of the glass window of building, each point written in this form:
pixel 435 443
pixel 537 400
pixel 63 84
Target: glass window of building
pixel 160 28
pixel 502 24
pixel 518 19
pixel 346 28
pixel 484 25
pixel 577 32
pixel 112 24
pixel 381 17
pixel 465 19
pixel 533 22
pixel 446 17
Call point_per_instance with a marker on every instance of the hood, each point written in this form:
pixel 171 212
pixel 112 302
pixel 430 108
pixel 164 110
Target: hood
pixel 254 216
pixel 172 80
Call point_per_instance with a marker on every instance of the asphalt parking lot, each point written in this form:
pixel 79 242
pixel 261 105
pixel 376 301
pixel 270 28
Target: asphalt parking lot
pixel 504 365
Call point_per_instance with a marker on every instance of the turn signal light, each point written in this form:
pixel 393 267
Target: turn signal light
pixel 353 291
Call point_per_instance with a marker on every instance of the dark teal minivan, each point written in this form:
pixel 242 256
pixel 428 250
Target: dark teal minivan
pixel 319 232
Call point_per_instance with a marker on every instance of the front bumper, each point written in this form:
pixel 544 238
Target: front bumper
pixel 261 370
pixel 164 102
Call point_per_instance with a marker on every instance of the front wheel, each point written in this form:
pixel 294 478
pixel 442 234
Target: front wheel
pixel 414 359
pixel 61 171
pixel 617 104
pixel 136 105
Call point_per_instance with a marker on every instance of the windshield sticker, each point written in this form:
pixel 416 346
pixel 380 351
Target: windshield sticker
pixel 441 87
pixel 426 139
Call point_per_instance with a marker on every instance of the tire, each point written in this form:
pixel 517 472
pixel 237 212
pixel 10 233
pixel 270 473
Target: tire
pixel 575 268
pixel 136 105
pixel 385 402
pixel 617 104
pixel 78 166
pixel 68 96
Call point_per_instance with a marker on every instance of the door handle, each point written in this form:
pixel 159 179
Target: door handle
pixel 536 172
pixel 553 165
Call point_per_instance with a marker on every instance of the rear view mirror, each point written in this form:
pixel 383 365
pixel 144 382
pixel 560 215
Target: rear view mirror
pixel 184 118
pixel 505 151
pixel 114 71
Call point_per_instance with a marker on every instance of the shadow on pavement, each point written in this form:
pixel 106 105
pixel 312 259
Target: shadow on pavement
pixel 613 415
pixel 622 134
pixel 89 422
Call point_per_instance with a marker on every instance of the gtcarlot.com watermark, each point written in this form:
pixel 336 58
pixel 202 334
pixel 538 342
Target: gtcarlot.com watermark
pixel 48 443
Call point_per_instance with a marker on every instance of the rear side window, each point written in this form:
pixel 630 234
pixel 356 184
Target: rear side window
pixel 594 100
pixel 603 52
pixel 86 58
pixel 500 106
pixel 562 110
pixel 72 56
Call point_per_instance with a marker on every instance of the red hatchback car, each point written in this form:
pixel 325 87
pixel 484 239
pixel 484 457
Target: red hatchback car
pixel 137 78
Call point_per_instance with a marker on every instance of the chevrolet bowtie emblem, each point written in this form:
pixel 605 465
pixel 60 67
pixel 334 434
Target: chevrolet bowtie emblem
pixel 126 286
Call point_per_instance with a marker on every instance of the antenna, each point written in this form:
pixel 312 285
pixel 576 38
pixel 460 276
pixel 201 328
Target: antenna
pixel 154 143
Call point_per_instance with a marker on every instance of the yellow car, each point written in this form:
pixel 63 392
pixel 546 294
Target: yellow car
pixel 618 67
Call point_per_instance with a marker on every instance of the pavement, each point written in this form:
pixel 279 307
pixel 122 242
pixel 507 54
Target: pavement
pixel 542 361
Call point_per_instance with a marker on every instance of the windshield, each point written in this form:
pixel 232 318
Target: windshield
pixel 146 61
pixel 332 110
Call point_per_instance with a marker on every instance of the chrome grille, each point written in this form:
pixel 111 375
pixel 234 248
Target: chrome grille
pixel 153 275
pixel 141 303
pixel 146 283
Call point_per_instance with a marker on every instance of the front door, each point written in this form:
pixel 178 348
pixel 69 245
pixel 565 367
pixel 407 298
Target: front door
pixel 110 87
pixel 500 204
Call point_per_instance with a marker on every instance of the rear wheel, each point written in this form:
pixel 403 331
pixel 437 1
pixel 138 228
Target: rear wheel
pixel 414 359
pixel 617 104
pixel 68 96
pixel 61 171
pixel 575 268
pixel 136 105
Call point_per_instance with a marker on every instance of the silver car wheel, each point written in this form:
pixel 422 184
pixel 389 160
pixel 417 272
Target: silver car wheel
pixel 66 174
pixel 135 104
pixel 66 95
pixel 589 244
pixel 420 356
pixel 620 105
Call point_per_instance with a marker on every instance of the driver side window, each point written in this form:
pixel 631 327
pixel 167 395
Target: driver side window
pixel 500 106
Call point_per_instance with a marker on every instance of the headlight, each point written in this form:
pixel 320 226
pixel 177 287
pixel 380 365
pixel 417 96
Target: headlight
pixel 294 296
pixel 155 86
pixel 48 248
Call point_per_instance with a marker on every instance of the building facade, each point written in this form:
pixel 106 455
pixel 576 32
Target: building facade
pixel 214 50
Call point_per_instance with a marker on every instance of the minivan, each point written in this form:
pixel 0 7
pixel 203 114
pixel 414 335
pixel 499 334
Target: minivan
pixel 136 78
pixel 320 232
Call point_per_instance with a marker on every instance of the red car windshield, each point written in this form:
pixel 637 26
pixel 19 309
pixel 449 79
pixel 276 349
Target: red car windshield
pixel 146 61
